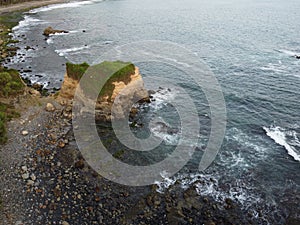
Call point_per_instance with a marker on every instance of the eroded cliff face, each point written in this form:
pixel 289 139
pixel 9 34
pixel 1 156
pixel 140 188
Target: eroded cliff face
pixel 121 99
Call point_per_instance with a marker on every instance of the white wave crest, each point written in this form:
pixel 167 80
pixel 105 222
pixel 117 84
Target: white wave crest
pixel 26 22
pixel 63 52
pixel 288 52
pixel 63 5
pixel 279 135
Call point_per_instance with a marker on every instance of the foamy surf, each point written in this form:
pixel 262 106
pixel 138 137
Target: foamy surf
pixel 63 52
pixel 63 5
pixel 288 52
pixel 28 21
pixel 279 135
pixel 208 185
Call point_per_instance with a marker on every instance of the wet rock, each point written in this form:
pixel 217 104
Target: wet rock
pixel 65 223
pixel 50 30
pixel 37 86
pixel 50 107
pixel 133 112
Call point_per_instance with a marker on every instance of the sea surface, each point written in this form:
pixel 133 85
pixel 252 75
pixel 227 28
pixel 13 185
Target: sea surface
pixel 250 46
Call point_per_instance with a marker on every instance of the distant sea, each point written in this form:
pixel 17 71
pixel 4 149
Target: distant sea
pixel 250 46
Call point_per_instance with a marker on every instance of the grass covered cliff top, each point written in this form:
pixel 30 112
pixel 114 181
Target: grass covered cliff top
pixel 11 83
pixel 111 72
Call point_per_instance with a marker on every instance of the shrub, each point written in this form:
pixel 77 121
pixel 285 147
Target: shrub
pixel 10 82
pixel 4 78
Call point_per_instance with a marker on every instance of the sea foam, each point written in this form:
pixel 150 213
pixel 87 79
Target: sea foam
pixel 63 5
pixel 279 135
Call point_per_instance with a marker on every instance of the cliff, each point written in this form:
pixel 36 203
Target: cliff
pixel 123 88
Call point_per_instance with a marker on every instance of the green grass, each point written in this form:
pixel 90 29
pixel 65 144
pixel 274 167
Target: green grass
pixel 101 75
pixel 7 112
pixel 3 137
pixel 119 154
pixel 76 71
pixel 11 19
pixel 11 83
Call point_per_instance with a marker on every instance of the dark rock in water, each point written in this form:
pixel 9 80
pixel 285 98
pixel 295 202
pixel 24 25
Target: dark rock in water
pixel 83 31
pixel 297 56
pixel 27 71
pixel 28 47
pixel 50 30
pixel 151 92
pixel 145 100
pixel 164 128
pixel 37 86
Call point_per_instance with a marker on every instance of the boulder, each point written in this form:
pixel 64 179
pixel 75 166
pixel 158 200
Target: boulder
pixel 50 30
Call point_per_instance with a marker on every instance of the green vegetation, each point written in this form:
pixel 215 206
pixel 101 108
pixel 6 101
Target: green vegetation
pixel 119 154
pixel 117 71
pixel 7 21
pixel 101 75
pixel 3 137
pixel 11 19
pixel 76 71
pixel 11 83
pixel 7 112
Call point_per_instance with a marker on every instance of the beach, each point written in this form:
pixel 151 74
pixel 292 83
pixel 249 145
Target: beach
pixel 27 5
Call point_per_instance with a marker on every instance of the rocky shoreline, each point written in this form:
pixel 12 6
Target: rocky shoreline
pixel 48 182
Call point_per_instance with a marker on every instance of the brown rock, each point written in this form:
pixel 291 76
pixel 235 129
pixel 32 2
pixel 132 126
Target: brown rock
pixel 79 164
pixel 34 92
pixel 50 107
pixel 50 30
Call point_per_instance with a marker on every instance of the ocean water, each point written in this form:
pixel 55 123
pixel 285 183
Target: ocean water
pixel 249 45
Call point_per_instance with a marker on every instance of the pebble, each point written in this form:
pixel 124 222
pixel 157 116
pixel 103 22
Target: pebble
pixel 30 182
pixel 24 168
pixel 65 223
pixel 33 177
pixel 25 132
pixel 49 107
pixel 25 176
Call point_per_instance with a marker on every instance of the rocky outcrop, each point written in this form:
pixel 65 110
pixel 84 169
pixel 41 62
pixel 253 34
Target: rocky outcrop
pixel 125 91
pixel 50 30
